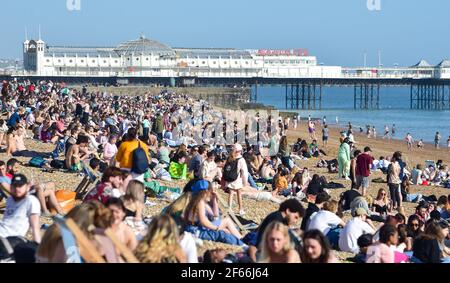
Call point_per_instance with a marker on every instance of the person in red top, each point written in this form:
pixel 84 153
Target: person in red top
pixel 363 164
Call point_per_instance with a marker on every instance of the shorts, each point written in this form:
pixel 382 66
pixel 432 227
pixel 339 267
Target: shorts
pixel 325 138
pixel 362 181
pixel 311 130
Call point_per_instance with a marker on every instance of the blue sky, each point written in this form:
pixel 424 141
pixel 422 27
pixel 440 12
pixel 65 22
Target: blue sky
pixel 336 31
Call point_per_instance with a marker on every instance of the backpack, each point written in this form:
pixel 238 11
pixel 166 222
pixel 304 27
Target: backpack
pixel 38 162
pixel 140 161
pixel 230 171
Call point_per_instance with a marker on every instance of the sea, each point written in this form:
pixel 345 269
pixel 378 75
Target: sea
pixel 394 109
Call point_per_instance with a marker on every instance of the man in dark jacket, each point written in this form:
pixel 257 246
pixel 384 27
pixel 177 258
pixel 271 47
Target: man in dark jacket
pixel 321 198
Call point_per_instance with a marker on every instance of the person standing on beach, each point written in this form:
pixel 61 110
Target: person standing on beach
pixel 409 141
pixel 344 159
pixel 386 132
pixel 393 130
pixel 337 120
pixel 437 139
pixel 363 164
pixel 448 142
pixel 295 121
pixel 324 120
pixel 312 130
pixel 325 134
pixel 374 132
pixel 393 179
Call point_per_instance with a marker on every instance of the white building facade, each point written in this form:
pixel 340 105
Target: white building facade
pixel 149 58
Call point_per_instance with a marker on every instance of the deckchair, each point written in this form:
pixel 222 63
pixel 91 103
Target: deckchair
pixel 243 228
pixel 85 184
pixel 4 193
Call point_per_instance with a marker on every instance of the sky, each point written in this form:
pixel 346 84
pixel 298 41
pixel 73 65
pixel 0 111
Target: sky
pixel 338 32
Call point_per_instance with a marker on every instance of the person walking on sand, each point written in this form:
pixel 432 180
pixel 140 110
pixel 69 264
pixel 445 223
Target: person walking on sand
pixel 295 121
pixel 344 159
pixel 312 130
pixel 409 141
pixel 437 139
pixel 325 135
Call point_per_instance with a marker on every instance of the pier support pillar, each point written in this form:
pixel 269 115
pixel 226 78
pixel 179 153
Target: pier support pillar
pixel 366 96
pixel 430 96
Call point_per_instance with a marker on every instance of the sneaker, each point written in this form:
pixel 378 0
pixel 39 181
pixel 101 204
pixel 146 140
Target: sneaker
pixel 347 178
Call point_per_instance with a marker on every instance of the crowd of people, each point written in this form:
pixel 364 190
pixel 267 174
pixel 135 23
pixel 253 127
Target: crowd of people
pixel 172 146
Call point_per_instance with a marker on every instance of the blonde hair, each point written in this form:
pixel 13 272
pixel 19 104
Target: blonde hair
pixel 331 206
pixel 161 243
pixel 135 192
pixel 264 247
pixel 49 243
pixel 179 206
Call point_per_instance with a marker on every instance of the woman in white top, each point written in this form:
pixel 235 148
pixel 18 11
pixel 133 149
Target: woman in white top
pixel 242 179
pixel 209 170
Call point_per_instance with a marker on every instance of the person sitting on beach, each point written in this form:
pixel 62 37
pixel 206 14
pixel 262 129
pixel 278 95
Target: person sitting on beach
pixel 288 213
pixel 122 231
pixel 162 243
pixel 327 222
pixel 276 246
pixel 134 200
pixel 266 170
pixel 110 150
pixel 77 153
pixel 380 252
pixel 178 166
pixel 381 204
pixel 300 182
pixel 281 182
pixel 22 211
pixel 407 196
pixel 315 187
pixel 202 211
pixel 316 248
pixel 313 208
pixel 209 170
pixel 359 225
pixel 112 180
pixel 15 140
pixel 420 144
pixel 426 247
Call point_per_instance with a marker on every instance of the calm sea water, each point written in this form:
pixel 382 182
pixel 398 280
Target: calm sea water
pixel 394 109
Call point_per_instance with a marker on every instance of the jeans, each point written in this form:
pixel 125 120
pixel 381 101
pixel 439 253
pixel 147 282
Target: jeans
pixel 394 191
pixel 146 131
pixel 413 197
pixel 214 236
pixel 251 182
pixel 333 237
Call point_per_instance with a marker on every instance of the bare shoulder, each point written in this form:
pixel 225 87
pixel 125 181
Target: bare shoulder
pixel 293 256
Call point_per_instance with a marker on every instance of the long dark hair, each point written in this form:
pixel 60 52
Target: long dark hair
pixel 323 241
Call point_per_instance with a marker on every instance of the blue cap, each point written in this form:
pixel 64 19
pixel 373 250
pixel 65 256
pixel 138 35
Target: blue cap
pixel 201 185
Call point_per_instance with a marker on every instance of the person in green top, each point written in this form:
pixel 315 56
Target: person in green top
pixel 159 126
pixel 344 159
pixel 163 153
